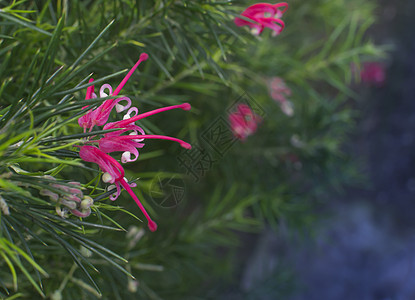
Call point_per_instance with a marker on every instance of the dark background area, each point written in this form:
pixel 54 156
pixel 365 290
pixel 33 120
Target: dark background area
pixel 364 244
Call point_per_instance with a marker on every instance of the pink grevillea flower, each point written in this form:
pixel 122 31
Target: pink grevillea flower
pixel 373 73
pixel 264 15
pixel 127 139
pixel 278 92
pixel 244 122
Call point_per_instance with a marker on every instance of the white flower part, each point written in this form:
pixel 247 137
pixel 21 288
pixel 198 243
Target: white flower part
pixel 130 111
pixel 296 141
pixel 119 108
pixel 62 212
pixel 255 31
pixel 4 207
pixel 106 177
pixel 56 295
pixel 85 252
pixel 113 188
pixel 132 285
pixel 134 132
pixel 287 108
pixel 102 92
pixel 134 235
pixel 18 144
pixel 86 202
pixel 126 157
pixel 132 184
pixel 267 15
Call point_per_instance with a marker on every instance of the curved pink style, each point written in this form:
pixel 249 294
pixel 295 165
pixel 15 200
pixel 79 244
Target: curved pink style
pixel 263 15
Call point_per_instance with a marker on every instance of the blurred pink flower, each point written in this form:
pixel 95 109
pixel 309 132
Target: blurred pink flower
pixel 117 142
pixel 244 122
pixel 279 91
pixel 263 15
pixel 373 73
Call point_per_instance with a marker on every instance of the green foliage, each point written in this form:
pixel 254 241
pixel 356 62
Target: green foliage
pixel 49 50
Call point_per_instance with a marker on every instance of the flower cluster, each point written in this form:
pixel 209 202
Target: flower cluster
pixel 263 15
pixel 279 91
pixel 244 122
pixel 68 198
pixel 127 139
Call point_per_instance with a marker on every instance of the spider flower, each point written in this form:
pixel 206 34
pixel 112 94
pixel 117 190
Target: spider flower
pixel 244 122
pixel 127 139
pixel 263 15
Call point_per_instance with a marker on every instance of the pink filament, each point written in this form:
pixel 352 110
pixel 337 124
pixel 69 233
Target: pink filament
pixel 89 92
pixel 159 137
pixel 143 57
pixel 151 224
pixel 120 124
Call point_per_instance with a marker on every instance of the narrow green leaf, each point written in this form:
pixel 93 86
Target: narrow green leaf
pixel 22 23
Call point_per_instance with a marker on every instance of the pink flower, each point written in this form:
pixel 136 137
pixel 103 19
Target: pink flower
pixel 278 92
pixel 244 122
pixel 127 139
pixel 373 73
pixel 264 15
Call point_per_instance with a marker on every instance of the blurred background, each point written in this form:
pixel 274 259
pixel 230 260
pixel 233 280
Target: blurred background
pixel 363 246
pixel 313 200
